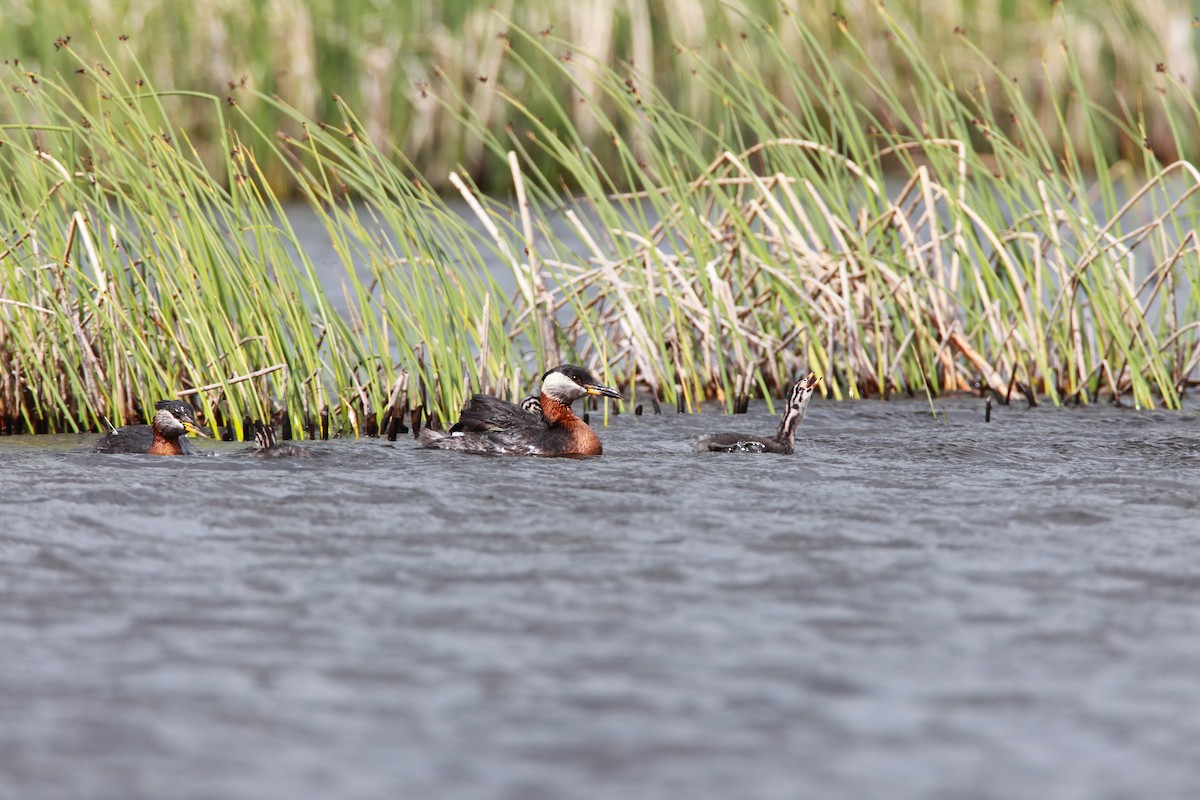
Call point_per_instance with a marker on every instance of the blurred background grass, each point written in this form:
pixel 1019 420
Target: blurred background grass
pixel 380 57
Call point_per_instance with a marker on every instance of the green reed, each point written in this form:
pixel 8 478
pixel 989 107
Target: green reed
pixel 132 272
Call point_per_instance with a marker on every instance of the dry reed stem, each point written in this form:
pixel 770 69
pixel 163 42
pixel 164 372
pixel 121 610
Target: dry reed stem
pixel 539 301
pixel 722 298
pixel 237 379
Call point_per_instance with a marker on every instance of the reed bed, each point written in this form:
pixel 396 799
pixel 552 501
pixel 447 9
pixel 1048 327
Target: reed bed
pixel 926 240
pixel 919 250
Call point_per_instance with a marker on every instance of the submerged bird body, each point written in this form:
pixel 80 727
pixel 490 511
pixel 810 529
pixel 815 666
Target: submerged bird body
pixel 742 443
pixel 490 425
pixel 783 442
pixel 164 436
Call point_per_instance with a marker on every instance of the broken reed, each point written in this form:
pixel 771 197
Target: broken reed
pixel 380 57
pixel 919 250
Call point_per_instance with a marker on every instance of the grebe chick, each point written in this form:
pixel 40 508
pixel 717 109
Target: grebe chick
pixel 490 425
pixel 173 419
pixel 532 405
pixel 784 439
pixel 266 446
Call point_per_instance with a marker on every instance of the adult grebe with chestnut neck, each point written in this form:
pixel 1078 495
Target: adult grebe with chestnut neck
pixel 164 436
pixel 490 425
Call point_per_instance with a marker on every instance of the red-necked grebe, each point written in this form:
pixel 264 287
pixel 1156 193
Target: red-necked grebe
pixel 784 439
pixel 173 419
pixel 490 425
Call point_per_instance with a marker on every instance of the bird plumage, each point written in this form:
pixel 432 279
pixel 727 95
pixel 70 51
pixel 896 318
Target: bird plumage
pixel 164 436
pixel 488 424
pixel 783 442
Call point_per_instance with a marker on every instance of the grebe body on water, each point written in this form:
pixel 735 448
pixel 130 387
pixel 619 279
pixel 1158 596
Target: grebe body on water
pixel 782 442
pixel 164 436
pixel 490 425
pixel 266 445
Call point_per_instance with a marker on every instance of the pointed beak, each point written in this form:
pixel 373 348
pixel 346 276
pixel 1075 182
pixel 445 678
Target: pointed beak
pixel 191 428
pixel 603 391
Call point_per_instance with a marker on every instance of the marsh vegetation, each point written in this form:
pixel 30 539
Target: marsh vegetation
pixel 829 193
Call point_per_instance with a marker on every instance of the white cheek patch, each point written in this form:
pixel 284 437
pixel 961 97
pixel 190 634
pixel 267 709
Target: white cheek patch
pixel 558 385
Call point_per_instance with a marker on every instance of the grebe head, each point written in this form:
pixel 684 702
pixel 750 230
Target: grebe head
pixel 567 383
pixel 797 405
pixel 174 418
pixel 264 436
pixel 267 446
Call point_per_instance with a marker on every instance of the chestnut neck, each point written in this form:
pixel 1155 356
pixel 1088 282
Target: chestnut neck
pixel 557 412
pixel 164 446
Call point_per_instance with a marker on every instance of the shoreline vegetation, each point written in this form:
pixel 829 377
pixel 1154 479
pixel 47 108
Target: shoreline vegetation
pixel 831 194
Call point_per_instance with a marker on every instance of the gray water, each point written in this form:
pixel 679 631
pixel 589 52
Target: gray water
pixel 911 607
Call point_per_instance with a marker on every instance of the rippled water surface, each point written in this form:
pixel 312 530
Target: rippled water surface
pixel 911 607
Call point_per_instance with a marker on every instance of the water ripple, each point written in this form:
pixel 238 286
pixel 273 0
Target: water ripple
pixel 914 605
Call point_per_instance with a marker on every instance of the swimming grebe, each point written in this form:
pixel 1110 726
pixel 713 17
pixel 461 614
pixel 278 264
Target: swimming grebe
pixel 162 437
pixel 490 425
pixel 784 439
pixel 266 446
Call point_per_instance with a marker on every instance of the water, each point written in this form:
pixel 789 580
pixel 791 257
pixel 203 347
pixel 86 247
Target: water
pixel 910 607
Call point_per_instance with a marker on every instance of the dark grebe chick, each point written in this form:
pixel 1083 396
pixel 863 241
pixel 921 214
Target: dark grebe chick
pixel 266 446
pixel 532 405
pixel 173 419
pixel 490 425
pixel 784 439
